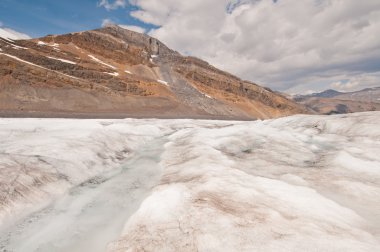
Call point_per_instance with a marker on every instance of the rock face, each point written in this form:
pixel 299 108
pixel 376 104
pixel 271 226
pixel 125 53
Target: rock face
pixel 334 102
pixel 114 72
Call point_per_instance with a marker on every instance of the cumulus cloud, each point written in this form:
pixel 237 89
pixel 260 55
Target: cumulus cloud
pixel 284 44
pixel 107 22
pixel 133 28
pixel 12 34
pixel 112 5
pixel 345 85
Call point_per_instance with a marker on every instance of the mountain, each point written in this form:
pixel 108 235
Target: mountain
pixel 325 94
pixel 334 102
pixel 365 95
pixel 114 72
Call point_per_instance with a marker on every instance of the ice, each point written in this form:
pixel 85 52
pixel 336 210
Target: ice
pixel 92 214
pixel 299 183
pixel 276 185
pixel 101 62
pixel 39 153
pixel 41 43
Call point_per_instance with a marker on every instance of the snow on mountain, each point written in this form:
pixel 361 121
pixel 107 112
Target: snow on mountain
pixel 12 34
pixel 32 64
pixel 63 60
pixel 101 62
pixel 298 183
pixel 163 82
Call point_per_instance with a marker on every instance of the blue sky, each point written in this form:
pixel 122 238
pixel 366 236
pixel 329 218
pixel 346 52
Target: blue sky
pixel 41 17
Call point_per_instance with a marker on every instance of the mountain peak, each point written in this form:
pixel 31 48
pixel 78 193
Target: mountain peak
pixel 116 72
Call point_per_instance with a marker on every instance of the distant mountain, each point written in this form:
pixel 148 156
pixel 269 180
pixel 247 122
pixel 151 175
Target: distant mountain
pixel 365 95
pixel 325 94
pixel 114 72
pixel 334 102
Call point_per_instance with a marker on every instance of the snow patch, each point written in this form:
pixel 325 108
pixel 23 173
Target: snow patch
pixel 19 47
pixel 7 39
pixel 113 74
pixel 63 60
pixel 100 62
pixel 207 95
pixel 163 82
pixel 128 72
pixel 24 61
pixel 30 63
pixel 11 43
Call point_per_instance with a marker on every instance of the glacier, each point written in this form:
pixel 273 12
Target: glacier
pixel 298 183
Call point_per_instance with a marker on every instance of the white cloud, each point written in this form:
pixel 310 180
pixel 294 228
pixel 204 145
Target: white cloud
pixel 133 28
pixel 107 22
pixel 280 45
pixel 113 5
pixel 354 83
pixel 342 86
pixel 12 34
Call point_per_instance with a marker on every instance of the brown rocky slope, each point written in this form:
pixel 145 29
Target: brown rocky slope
pixel 114 72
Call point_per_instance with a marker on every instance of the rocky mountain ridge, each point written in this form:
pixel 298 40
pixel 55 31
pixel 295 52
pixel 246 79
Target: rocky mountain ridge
pixel 334 102
pixel 114 72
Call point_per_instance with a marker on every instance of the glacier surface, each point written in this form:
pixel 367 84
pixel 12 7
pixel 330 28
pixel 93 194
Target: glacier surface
pixel 300 183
